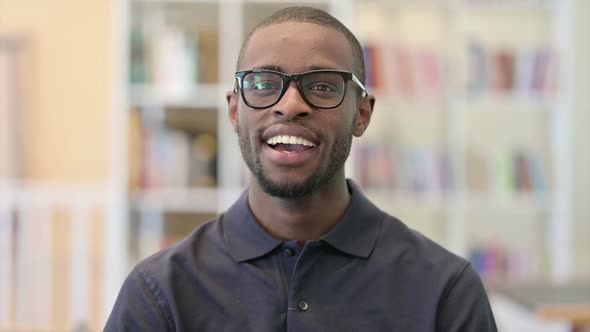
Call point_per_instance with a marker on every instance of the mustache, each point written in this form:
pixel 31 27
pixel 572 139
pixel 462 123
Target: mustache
pixel 289 122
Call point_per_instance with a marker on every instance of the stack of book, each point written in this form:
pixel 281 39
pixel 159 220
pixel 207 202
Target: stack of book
pixel 405 72
pixel 507 172
pixel 496 263
pixel 164 157
pixel 421 170
pixel 500 71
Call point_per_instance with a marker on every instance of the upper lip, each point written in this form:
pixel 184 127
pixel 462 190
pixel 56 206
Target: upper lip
pixel 289 130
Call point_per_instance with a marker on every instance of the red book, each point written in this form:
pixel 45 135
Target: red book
pixel 405 72
pixel 503 71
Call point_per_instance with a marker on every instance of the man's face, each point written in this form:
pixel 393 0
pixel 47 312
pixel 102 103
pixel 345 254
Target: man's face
pixel 321 137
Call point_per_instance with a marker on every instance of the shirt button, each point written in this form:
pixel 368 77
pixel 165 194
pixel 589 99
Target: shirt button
pixel 302 305
pixel 289 252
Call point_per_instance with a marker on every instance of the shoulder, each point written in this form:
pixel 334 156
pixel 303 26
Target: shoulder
pixel 413 251
pixel 203 244
pixel 395 242
pixel 149 297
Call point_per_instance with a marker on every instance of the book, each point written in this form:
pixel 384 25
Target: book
pixel 538 173
pixel 369 66
pixel 522 172
pixel 429 75
pixel 503 173
pixel 374 71
pixel 208 56
pixel 404 77
pixel 137 56
pixel 503 71
pixel 495 263
pixel 540 63
pixel 135 148
pixel 478 173
pixel 375 166
pixel 477 81
pixel 406 72
pixel 524 71
pixel 202 171
pixel 174 63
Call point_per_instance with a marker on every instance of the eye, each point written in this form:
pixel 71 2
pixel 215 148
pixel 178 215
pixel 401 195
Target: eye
pixel 265 85
pixel 260 85
pixel 262 82
pixel 323 87
pixel 323 84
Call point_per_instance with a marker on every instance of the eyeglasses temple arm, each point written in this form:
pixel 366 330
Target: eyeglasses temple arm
pixel 356 80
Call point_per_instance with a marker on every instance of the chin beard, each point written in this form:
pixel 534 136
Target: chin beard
pixel 288 189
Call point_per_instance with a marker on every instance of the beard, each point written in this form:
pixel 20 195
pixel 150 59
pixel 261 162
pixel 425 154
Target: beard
pixel 286 188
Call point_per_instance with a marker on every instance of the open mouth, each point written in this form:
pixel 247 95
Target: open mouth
pixel 289 144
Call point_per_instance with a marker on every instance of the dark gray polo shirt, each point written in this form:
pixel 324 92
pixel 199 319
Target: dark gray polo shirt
pixel 369 273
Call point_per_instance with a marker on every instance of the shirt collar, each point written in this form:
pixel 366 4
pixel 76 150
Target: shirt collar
pixel 245 238
pixel 355 234
pixel 357 231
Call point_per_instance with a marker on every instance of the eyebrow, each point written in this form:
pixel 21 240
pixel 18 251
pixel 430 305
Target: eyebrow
pixel 268 67
pixel 277 68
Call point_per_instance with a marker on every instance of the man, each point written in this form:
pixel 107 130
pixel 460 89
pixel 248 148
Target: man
pixel 302 249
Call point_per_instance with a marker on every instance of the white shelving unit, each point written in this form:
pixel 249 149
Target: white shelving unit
pixel 103 221
pixel 461 123
pixel 229 22
pixel 457 122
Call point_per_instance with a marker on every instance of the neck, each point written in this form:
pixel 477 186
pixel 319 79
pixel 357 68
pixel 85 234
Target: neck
pixel 300 219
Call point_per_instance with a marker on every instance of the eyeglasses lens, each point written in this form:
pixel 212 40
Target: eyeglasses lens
pixel 321 89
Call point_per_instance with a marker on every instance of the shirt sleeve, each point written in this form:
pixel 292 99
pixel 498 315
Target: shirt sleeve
pixel 137 308
pixel 466 306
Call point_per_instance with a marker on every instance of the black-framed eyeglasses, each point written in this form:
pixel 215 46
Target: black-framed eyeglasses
pixel 326 88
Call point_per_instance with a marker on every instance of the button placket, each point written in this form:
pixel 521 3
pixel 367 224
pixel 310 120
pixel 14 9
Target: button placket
pixel 298 292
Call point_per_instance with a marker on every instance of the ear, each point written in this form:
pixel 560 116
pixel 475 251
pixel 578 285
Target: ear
pixel 232 107
pixel 363 118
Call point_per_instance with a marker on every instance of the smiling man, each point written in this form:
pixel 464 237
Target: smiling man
pixel 302 249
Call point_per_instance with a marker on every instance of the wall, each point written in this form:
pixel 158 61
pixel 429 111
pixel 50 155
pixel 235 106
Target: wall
pixel 65 125
pixel 581 139
pixel 66 97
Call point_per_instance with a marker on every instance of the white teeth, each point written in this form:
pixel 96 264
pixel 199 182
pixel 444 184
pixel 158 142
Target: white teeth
pixel 284 139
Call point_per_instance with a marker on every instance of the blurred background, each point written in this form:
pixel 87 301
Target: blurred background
pixel 114 142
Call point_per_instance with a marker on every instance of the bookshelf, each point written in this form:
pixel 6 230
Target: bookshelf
pixel 472 96
pixel 479 136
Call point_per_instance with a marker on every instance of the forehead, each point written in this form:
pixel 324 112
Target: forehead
pixel 294 47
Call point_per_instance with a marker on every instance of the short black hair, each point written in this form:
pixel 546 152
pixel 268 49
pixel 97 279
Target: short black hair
pixel 305 14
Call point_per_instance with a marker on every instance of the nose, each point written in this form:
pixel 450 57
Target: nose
pixel 292 105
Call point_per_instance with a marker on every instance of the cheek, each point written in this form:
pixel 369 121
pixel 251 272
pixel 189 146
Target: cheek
pixel 346 117
pixel 247 130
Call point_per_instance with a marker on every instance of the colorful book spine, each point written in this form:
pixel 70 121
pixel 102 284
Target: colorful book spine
pixel 411 73
pixel 174 158
pixel 501 71
pixel 507 172
pixel 497 263
pixel 416 171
